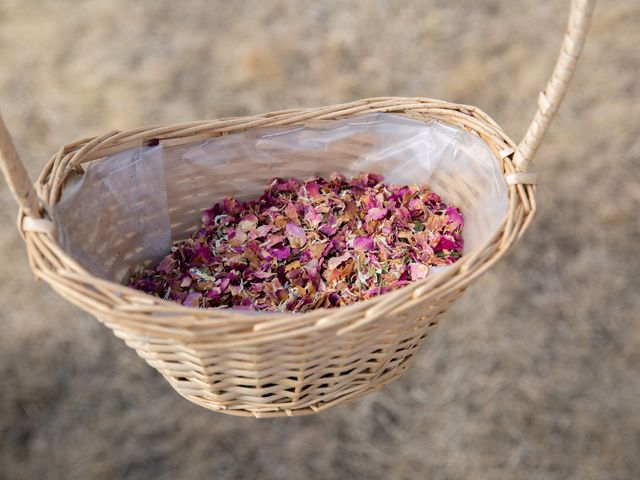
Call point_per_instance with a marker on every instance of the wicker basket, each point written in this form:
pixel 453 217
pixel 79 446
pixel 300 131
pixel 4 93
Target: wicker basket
pixel 283 364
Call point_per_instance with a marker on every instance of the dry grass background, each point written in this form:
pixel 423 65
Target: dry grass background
pixel 535 373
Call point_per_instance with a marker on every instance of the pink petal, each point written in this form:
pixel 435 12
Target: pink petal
pixel 312 217
pixel 224 283
pixel 455 218
pixel 248 223
pixel 418 271
pixel 295 234
pixel 335 262
pixel 291 211
pixel 445 243
pixel 237 237
pixel 376 214
pixel 313 189
pixel 263 275
pixel 273 240
pixel 262 230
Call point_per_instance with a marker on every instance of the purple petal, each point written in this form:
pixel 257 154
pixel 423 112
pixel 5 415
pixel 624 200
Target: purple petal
pixel 193 299
pixel 363 243
pixel 331 227
pixel 280 253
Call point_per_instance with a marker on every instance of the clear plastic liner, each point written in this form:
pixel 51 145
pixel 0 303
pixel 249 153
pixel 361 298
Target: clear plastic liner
pixel 127 209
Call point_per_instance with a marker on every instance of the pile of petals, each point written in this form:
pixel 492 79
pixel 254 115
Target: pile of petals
pixel 309 244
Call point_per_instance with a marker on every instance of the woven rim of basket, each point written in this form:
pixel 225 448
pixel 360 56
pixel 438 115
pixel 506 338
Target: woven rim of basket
pixel 141 313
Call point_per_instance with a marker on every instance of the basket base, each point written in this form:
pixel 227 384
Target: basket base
pixel 212 389
pixel 348 395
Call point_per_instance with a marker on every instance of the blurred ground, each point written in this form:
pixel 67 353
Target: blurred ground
pixel 535 373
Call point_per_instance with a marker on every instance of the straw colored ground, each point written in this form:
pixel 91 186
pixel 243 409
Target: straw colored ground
pixel 535 373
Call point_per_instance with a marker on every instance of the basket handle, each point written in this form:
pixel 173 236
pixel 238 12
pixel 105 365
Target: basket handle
pixel 550 98
pixel 16 175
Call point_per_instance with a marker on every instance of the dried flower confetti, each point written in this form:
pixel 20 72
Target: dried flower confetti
pixel 309 244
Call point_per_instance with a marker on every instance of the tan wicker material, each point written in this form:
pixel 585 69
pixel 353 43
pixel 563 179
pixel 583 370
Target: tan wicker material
pixel 279 364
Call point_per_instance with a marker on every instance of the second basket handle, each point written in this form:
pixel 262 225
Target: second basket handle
pixel 550 98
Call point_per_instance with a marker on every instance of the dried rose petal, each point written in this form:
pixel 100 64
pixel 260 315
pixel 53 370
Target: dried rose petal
pixel 291 211
pixel 330 227
pixel 237 237
pixel 248 223
pixel 455 217
pixel 376 214
pixel 445 243
pixel 280 253
pixel 315 244
pixel 193 299
pixel 312 188
pixel 418 271
pixel 334 262
pixel 363 243
pixel 262 230
pixel 166 265
pixel 295 234
pixel 312 217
